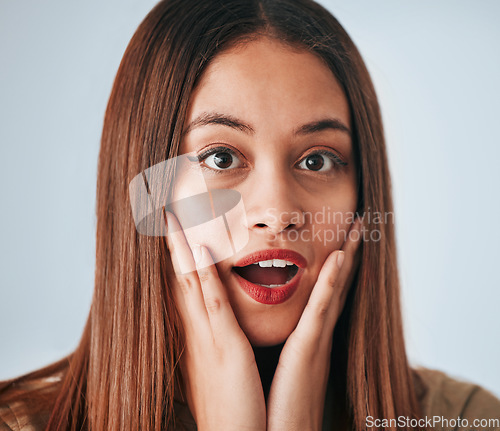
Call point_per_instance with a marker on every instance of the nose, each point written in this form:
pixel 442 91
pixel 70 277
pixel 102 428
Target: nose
pixel 274 205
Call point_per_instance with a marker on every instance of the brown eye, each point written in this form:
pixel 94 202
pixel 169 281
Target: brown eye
pixel 314 162
pixel 321 161
pixel 317 162
pixel 221 160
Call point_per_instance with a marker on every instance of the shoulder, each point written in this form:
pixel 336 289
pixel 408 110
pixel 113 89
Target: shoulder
pixel 26 405
pixel 448 397
pixel 14 417
pixel 8 420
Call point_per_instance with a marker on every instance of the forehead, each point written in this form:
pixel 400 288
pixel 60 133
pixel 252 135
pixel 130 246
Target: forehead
pixel 264 80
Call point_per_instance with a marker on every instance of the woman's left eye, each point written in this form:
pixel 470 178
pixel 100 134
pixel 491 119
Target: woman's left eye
pixel 321 161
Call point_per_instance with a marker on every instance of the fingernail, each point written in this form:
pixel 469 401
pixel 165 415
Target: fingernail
pixel 197 253
pixel 340 259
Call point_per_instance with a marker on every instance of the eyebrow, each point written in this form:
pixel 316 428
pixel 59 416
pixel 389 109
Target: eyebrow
pixel 208 118
pixel 319 126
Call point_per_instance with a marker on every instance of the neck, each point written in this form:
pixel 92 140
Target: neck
pixel 267 360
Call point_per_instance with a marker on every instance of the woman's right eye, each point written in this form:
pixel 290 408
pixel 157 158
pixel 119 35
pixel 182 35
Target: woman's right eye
pixel 220 159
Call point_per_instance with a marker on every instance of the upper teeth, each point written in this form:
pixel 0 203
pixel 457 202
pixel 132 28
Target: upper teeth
pixel 273 262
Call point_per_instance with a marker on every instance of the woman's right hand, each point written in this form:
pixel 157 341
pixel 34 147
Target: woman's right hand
pixel 222 382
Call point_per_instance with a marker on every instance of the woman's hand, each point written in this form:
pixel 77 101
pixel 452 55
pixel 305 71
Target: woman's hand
pixel 297 396
pixel 222 382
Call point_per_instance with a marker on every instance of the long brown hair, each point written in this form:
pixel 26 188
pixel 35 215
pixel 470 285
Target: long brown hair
pixel 124 373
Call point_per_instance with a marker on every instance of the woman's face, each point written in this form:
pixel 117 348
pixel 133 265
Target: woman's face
pixel 281 124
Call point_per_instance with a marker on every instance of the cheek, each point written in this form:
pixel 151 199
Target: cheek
pixel 333 234
pixel 329 223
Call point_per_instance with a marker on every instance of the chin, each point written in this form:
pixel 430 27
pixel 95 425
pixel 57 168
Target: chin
pixel 265 335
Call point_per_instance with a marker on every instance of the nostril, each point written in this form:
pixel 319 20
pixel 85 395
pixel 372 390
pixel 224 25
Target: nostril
pixel 277 229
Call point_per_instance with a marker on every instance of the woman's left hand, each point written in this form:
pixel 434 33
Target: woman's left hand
pixel 297 395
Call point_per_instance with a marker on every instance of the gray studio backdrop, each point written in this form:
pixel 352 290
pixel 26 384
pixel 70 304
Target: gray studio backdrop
pixel 435 67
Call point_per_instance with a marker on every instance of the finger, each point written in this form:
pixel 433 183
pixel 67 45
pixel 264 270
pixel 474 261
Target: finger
pixel 353 237
pixel 187 289
pixel 351 247
pixel 330 291
pixel 183 262
pixel 312 322
pixel 326 285
pixel 220 312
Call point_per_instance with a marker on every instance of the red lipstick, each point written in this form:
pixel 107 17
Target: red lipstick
pixel 276 294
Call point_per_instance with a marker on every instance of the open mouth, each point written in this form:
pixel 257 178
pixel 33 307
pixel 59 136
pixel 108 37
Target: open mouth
pixel 269 273
pixel 270 276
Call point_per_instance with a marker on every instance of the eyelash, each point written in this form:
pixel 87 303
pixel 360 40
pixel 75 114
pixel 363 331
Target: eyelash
pixel 337 161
